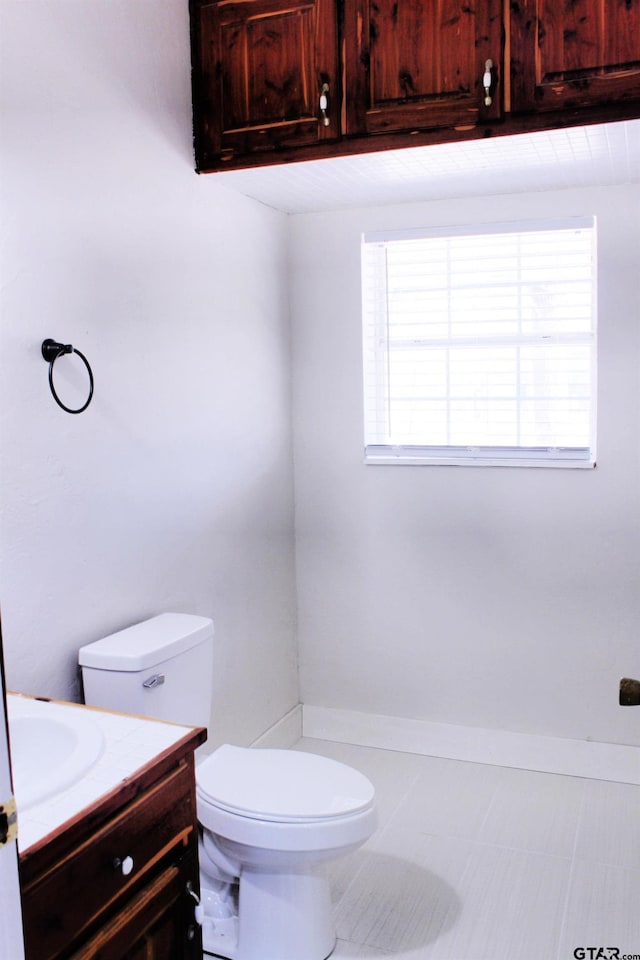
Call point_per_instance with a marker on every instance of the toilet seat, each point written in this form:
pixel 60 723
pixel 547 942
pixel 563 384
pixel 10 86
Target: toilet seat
pixel 283 800
pixel 281 786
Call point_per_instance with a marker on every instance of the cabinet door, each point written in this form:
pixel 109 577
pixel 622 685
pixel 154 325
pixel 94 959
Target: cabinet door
pixel 420 64
pixel 574 53
pixel 157 923
pixel 74 893
pixel 260 68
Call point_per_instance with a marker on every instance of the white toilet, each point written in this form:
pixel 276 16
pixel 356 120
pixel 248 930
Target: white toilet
pixel 269 819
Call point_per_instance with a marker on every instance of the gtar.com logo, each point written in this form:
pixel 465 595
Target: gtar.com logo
pixel 603 953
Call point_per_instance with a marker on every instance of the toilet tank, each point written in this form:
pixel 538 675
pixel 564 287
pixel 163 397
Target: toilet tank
pixel 160 668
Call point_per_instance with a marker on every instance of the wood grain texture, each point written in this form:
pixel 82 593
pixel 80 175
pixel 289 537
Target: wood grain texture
pixel 580 53
pixel 401 73
pixel 73 890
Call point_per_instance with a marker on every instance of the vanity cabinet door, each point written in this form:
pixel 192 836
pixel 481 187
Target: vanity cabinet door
pixel 420 64
pixel 157 923
pixel 260 68
pixel 577 54
pixel 105 871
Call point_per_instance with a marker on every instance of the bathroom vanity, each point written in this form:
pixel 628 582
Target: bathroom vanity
pixel 119 879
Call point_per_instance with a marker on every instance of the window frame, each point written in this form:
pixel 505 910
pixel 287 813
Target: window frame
pixel 481 454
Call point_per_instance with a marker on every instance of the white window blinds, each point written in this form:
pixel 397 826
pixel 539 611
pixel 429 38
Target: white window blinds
pixel 479 345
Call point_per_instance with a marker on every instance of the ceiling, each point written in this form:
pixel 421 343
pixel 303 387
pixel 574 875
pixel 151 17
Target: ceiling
pixel 599 155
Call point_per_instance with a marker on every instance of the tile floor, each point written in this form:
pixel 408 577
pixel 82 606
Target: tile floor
pixel 474 862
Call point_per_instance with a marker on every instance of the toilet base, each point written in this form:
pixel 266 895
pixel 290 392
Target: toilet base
pixel 220 924
pixel 281 916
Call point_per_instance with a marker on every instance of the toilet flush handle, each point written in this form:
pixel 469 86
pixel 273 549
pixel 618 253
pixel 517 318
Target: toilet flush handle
pixel 155 681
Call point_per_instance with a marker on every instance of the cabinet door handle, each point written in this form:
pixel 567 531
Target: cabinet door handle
pixel 324 104
pixel 125 865
pixel 486 82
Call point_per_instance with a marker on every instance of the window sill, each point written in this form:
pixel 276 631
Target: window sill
pixel 405 458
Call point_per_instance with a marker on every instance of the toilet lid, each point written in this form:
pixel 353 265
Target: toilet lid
pixel 281 785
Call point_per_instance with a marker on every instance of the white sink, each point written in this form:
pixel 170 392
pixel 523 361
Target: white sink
pixel 52 747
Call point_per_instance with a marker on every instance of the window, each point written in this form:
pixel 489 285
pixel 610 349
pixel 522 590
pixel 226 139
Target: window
pixel 479 345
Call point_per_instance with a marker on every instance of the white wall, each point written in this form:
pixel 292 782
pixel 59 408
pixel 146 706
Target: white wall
pixel 496 597
pixel 173 491
pixel 502 598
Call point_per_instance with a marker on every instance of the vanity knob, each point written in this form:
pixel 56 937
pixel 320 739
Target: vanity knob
pixel 125 865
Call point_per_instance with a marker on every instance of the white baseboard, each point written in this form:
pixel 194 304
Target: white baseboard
pixel 284 733
pixel 576 758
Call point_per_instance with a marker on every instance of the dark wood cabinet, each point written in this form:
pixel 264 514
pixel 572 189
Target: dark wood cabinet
pixel 155 923
pixel 266 76
pixel 114 883
pixel 574 53
pixel 398 73
pixel 421 64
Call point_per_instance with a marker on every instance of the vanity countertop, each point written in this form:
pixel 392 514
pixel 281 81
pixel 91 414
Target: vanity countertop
pixel 130 742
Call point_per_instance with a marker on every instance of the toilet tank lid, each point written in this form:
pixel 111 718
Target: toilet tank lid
pixel 146 644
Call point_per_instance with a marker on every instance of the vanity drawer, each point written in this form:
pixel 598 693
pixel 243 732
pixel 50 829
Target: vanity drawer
pixel 158 921
pixel 71 898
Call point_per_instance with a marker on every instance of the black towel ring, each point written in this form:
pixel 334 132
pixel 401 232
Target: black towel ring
pixel 51 350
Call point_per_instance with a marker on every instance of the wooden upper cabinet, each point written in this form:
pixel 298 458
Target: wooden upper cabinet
pixel 260 68
pixel 574 53
pixel 420 64
pixel 276 81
